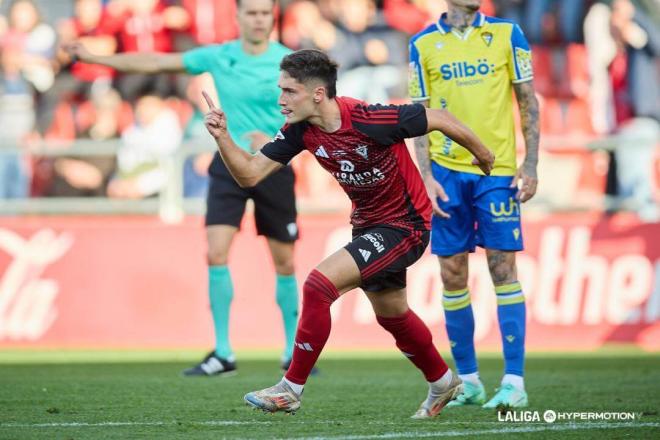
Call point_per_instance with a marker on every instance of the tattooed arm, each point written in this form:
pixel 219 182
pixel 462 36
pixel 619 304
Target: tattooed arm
pixel 529 116
pixel 433 187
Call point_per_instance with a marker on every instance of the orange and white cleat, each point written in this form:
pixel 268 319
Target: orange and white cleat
pixel 279 397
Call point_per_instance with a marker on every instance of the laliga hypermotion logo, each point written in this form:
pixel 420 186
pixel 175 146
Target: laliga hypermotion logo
pixel 27 308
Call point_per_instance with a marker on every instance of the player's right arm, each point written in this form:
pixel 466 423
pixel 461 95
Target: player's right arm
pixel 433 187
pixel 246 169
pixel 129 62
pixel 444 121
pixel 418 86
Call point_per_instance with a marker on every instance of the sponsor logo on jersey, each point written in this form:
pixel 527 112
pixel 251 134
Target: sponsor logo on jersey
pixel 464 69
pixel 359 179
pixel 365 254
pixel 346 166
pixel 362 151
pixel 378 244
pixel 320 152
pixel 524 62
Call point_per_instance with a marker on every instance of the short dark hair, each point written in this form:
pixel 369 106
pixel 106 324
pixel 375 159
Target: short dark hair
pixel 239 3
pixel 308 64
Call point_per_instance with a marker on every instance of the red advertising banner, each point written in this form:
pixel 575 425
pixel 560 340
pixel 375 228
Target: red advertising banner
pixel 120 282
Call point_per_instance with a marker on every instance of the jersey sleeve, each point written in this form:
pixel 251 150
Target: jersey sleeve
pixel 286 144
pixel 520 57
pixel 390 124
pixel 417 77
pixel 199 60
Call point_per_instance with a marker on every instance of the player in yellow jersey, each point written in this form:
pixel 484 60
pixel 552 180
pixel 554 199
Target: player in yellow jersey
pixel 469 63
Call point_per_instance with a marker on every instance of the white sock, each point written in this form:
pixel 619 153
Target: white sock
pixel 441 384
pixel 298 389
pixel 472 378
pixel 515 380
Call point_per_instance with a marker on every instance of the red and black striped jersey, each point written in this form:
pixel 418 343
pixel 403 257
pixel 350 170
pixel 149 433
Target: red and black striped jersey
pixel 369 159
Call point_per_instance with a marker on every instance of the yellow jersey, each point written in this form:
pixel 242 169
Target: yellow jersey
pixel 471 74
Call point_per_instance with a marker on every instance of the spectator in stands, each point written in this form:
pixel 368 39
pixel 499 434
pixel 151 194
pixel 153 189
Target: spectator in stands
pixel 634 75
pixel 147 26
pixel 210 22
pixel 100 119
pixel 195 168
pixel 410 16
pixel 95 29
pixel 540 22
pixel 623 46
pixel 3 23
pixel 371 55
pixel 28 48
pixel 304 27
pixel 155 135
pixel 513 10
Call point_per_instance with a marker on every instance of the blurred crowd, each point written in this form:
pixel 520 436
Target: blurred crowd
pixel 596 73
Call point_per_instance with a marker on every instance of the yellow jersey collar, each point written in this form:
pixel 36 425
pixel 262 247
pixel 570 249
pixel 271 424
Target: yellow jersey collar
pixel 444 27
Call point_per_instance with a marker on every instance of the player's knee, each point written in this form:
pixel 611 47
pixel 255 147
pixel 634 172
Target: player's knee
pixel 502 267
pixel 454 272
pixel 284 267
pixel 217 257
pixel 318 289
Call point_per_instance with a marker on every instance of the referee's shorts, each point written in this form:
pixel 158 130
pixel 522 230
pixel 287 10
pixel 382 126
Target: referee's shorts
pixel 274 202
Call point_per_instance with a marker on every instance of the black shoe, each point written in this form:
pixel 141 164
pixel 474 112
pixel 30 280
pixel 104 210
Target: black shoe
pixel 287 363
pixel 212 365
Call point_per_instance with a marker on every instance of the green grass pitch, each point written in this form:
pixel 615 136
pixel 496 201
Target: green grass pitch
pixel 103 395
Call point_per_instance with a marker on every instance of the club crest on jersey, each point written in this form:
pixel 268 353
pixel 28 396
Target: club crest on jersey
pixel 362 151
pixel 279 135
pixel 487 37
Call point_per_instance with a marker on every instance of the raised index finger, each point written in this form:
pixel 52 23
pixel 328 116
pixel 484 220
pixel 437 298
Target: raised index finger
pixel 208 100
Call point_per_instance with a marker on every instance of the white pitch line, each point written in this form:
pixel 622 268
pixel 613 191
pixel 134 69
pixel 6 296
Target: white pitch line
pixel 218 423
pixel 391 435
pixel 110 424
pixel 466 433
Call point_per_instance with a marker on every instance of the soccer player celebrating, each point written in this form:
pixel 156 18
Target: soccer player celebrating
pixel 245 73
pixel 362 147
pixel 467 63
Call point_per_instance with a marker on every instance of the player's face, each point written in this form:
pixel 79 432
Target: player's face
pixel 296 100
pixel 473 5
pixel 255 19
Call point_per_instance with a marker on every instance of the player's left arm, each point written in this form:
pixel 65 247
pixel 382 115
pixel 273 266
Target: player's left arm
pixel 529 116
pixel 444 121
pixel 521 74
